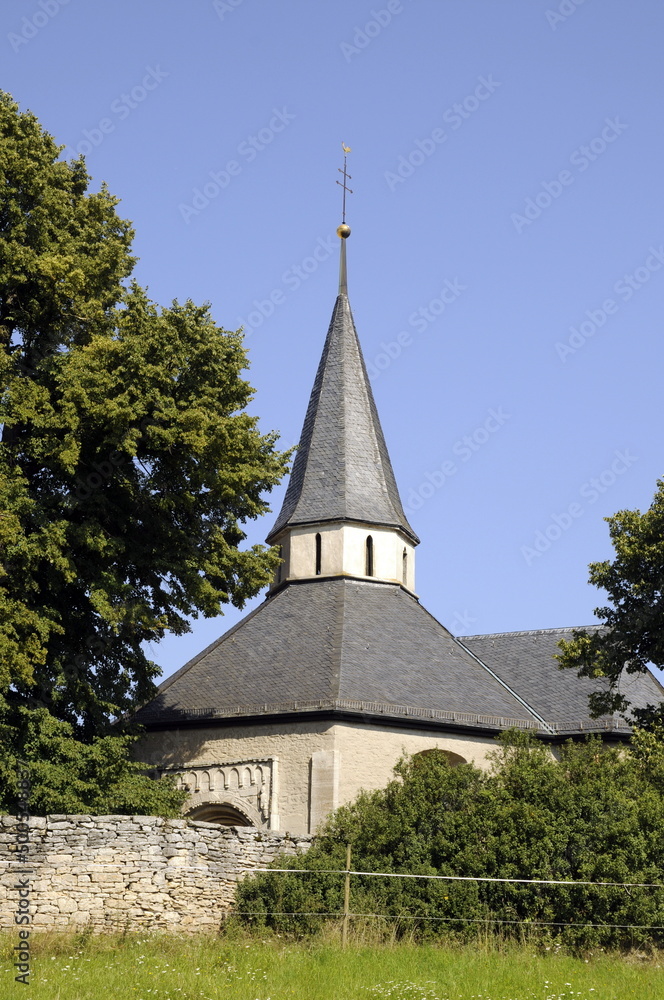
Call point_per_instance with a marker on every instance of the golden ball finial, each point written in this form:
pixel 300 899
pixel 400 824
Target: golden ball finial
pixel 343 231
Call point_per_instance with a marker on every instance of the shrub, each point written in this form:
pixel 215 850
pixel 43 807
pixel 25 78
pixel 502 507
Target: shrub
pixel 594 815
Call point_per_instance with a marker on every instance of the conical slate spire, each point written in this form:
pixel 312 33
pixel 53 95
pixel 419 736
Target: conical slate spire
pixel 342 470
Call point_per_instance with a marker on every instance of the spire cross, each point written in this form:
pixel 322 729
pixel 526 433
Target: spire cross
pixel 343 185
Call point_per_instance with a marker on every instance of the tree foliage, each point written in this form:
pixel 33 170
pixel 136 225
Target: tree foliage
pixel 128 467
pixel 68 776
pixel 633 634
pixel 595 815
pixel 128 463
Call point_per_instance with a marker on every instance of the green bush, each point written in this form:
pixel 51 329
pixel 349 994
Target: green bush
pixel 594 815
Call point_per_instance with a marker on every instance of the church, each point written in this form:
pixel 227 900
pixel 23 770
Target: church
pixel 341 670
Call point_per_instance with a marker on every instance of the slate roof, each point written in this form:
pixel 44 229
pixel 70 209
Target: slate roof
pixel 339 644
pixel 525 661
pixel 370 650
pixel 342 470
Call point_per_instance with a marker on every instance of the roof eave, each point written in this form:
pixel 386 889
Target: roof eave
pixel 385 719
pixel 277 533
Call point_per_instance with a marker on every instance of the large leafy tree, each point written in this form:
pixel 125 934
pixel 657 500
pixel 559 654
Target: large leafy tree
pixel 633 634
pixel 128 463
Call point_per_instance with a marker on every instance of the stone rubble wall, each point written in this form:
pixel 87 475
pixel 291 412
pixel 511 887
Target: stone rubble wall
pixel 113 872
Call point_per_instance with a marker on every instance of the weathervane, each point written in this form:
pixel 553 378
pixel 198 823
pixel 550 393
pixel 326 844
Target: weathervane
pixel 344 231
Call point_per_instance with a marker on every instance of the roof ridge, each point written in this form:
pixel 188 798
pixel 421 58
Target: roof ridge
pixel 511 690
pixel 489 671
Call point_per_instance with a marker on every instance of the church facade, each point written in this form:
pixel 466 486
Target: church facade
pixel 318 692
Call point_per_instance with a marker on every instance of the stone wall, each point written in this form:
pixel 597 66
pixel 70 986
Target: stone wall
pixel 113 872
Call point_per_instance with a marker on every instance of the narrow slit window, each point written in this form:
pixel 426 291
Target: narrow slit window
pixel 318 554
pixel 369 568
pixel 404 567
pixel 281 565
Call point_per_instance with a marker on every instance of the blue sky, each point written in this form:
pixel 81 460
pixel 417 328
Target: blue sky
pixel 506 268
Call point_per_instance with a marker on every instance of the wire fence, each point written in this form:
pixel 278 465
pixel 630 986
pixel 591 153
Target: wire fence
pixel 347 914
pixel 465 878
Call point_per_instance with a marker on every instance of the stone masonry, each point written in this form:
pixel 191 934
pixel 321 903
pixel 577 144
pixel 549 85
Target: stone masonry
pixel 113 872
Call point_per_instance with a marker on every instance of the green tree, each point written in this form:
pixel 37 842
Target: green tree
pixel 128 462
pixel 632 636
pixel 69 776
pixel 595 815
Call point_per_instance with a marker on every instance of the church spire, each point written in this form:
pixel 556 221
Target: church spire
pixel 342 474
pixel 342 469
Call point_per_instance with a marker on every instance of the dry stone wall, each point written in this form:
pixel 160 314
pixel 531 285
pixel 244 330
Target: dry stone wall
pixel 145 872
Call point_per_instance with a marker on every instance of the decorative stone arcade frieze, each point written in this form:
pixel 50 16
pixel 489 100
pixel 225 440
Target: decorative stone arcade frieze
pixel 235 793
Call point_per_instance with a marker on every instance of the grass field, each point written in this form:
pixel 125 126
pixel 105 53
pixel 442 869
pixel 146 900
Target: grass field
pixel 178 968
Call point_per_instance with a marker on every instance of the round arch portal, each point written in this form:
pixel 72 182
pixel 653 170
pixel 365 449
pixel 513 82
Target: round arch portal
pixel 222 813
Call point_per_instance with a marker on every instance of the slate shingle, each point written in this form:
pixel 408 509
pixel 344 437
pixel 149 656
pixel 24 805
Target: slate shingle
pixel 338 642
pixel 342 470
pixel 371 648
pixel 368 648
pixel 525 661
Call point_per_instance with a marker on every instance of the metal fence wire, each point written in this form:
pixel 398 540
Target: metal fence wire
pixel 347 914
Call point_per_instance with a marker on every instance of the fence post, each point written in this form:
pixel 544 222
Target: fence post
pixel 344 926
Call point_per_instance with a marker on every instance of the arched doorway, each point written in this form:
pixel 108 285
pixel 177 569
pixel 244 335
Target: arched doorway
pixel 222 813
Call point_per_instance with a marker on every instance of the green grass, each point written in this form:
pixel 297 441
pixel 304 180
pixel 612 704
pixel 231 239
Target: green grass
pixel 178 968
